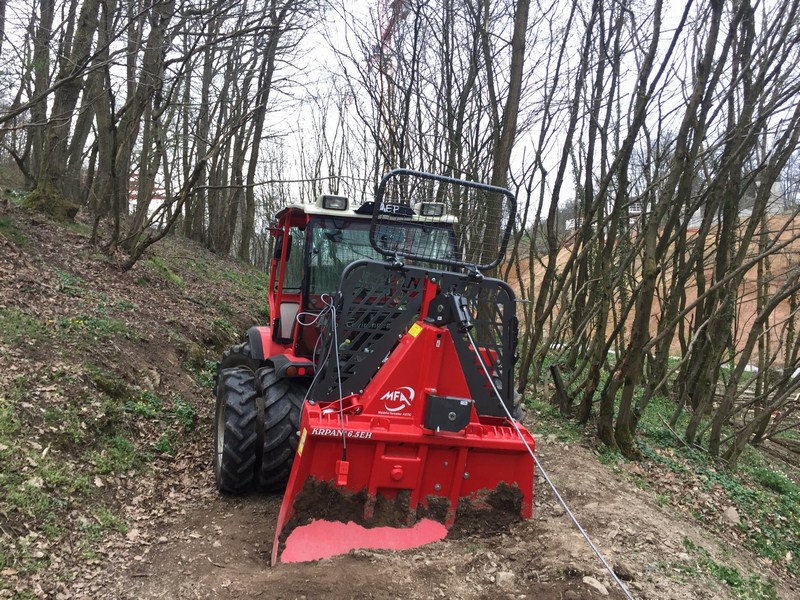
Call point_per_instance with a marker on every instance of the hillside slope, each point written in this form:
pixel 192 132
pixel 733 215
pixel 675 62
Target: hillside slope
pixel 783 228
pixel 102 376
pixel 106 486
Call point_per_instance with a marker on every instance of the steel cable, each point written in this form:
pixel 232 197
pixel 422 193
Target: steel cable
pixel 561 500
pixel 330 308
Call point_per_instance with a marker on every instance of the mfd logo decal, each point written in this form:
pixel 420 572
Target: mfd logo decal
pixel 399 400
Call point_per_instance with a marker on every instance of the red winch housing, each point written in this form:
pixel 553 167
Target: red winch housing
pixel 381 442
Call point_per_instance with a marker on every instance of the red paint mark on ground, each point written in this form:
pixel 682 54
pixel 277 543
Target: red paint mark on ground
pixel 320 539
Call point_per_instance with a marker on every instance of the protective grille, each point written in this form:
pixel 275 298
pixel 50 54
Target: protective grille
pixel 379 302
pixel 376 304
pixel 407 220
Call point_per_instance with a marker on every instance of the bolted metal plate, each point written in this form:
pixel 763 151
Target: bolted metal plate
pixel 444 413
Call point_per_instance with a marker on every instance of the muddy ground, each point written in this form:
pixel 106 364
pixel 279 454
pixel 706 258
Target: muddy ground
pixel 194 543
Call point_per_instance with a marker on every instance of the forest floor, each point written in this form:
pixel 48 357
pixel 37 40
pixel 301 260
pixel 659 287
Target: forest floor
pixel 106 484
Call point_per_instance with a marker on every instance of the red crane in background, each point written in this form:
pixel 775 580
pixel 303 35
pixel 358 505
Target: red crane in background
pixel 391 13
pixel 394 12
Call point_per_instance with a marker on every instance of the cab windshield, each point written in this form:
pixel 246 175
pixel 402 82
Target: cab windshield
pixel 335 243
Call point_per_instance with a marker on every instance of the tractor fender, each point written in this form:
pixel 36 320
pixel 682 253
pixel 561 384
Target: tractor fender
pixel 260 338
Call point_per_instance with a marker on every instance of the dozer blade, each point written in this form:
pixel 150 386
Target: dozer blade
pixel 401 462
pixel 321 538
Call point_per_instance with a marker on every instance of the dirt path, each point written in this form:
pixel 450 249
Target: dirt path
pixel 192 543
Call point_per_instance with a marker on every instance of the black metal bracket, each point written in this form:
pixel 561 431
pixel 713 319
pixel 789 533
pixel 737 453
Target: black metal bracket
pixel 446 413
pixel 445 309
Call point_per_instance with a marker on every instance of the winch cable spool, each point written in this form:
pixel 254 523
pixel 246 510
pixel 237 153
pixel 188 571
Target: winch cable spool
pixel 561 500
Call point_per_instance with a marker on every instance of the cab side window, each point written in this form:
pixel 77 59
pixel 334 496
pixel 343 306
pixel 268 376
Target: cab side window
pixel 294 262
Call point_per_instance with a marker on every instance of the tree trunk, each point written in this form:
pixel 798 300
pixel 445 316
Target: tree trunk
pixel 41 81
pixel 50 193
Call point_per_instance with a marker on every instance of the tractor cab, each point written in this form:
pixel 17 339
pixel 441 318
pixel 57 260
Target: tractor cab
pixel 313 245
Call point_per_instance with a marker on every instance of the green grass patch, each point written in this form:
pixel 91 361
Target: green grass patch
pixel 184 412
pixel 202 269
pixel 11 232
pixel 109 418
pixel 24 555
pixel 61 476
pixel 36 481
pixel 51 485
pixel 86 420
pixel 161 267
pixel 611 458
pixel 125 305
pixel 118 455
pixel 108 520
pixel 17 197
pixel 145 404
pixel 97 327
pixel 767 501
pixel 250 284
pixel 247 284
pixel 251 279
pixel 653 424
pixel 223 308
pixel 16 327
pixel 548 421
pixel 224 329
pixel 69 423
pixel 775 481
pixel 148 405
pixel 166 443
pixel 178 416
pixel 9 420
pixel 78 227
pixel 28 497
pixel 745 587
pixel 52 527
pixel 69 284
pixel 103 521
pixel 206 374
pixel 790 434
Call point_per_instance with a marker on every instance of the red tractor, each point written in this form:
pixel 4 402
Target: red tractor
pixel 382 392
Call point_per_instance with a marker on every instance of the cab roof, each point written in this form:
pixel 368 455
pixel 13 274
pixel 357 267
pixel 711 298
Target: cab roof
pixel 349 213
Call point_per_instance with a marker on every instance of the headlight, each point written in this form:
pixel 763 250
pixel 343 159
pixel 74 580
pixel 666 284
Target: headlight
pixel 430 209
pixel 333 202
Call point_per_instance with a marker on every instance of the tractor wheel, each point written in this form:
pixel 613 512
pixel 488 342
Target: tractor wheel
pixel 236 431
pixel 239 355
pixel 283 403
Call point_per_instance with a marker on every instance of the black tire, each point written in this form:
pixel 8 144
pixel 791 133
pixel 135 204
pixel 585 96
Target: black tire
pixel 282 406
pixel 237 435
pixel 239 355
